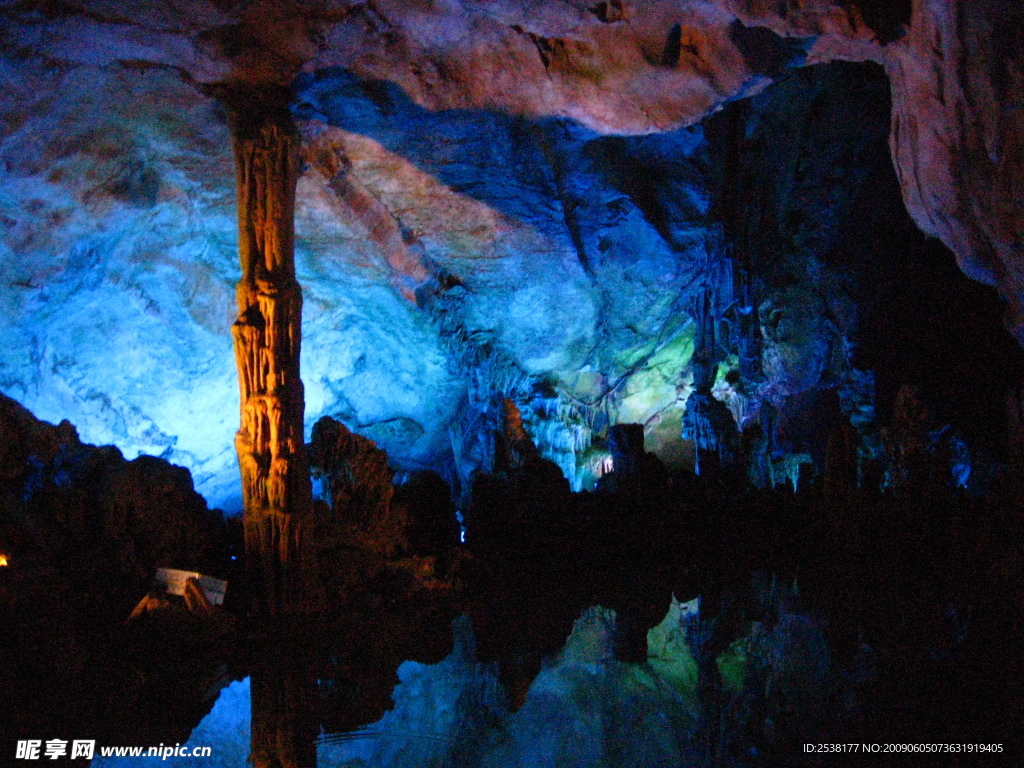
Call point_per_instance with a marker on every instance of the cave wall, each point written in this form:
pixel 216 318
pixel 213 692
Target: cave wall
pixel 462 207
pixel 796 170
pixel 848 293
pixel 623 66
pixel 118 260
pixel 957 138
pixel 564 251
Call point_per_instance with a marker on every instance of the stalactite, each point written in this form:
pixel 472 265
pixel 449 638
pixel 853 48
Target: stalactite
pixel 275 481
pixel 562 430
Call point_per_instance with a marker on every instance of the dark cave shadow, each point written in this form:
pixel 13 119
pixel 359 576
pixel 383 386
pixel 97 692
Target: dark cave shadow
pixel 514 164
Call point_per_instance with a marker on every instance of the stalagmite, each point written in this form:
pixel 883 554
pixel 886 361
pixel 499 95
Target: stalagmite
pixel 275 481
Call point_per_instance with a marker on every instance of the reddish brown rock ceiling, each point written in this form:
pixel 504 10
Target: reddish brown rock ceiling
pixel 958 135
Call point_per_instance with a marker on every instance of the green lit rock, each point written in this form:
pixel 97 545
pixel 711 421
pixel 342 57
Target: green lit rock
pixel 667 651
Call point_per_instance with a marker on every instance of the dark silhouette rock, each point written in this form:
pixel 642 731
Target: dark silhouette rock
pixel 432 526
pixel 357 480
pixel 104 523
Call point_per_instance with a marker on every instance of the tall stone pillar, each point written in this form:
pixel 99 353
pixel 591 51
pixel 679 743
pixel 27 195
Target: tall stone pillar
pixel 275 480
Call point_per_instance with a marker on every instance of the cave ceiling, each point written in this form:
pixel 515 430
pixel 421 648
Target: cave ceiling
pixel 512 190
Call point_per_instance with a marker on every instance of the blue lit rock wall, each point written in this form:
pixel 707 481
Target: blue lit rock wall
pixel 561 257
pixel 448 257
pixel 118 243
pixel 117 251
pixel 538 220
pixel 118 246
pixel 116 176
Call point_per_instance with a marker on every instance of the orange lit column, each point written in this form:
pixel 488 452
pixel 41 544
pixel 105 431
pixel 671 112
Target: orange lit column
pixel 267 334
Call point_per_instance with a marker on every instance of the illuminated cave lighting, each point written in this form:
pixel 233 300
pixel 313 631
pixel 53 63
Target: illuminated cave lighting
pixel 3 561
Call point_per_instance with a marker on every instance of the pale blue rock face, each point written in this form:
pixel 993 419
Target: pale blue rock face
pixel 117 249
pixel 448 258
pixel 118 241
pixel 118 244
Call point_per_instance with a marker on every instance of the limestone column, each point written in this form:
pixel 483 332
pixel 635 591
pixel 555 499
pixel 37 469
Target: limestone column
pixel 275 480
pixel 284 717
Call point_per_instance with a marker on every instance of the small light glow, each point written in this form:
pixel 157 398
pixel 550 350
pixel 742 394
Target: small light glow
pixel 3 560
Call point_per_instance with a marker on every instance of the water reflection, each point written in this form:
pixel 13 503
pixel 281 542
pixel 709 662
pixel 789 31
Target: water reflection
pixel 584 708
pixel 576 642
pixel 322 696
pixel 284 714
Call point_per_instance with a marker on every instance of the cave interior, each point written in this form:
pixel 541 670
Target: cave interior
pixel 636 383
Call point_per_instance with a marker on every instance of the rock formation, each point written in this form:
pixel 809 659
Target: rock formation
pixel 610 66
pixel 91 519
pixel 268 336
pixel 494 182
pixel 84 531
pixel 957 142
pixel 356 482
